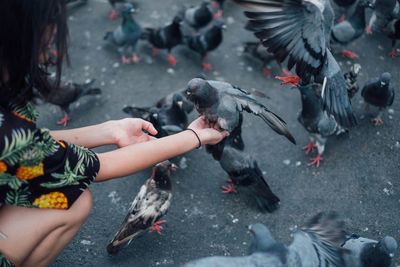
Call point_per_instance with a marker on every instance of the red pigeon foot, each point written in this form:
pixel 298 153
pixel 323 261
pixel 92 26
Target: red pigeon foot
pixel 341 19
pixel 154 52
pixel 135 58
pixel 294 80
pixel 206 66
pixel 286 72
pixel 349 54
pixel 171 60
pixel 266 72
pixel 157 227
pixel 126 60
pixel 377 121
pixel 64 121
pixel 229 189
pixel 309 148
pixel 368 29
pixel 316 161
pixel 218 14
pixel 393 53
pixel 113 15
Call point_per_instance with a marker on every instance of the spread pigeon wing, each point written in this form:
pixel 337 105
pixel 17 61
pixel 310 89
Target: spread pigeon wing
pixel 290 29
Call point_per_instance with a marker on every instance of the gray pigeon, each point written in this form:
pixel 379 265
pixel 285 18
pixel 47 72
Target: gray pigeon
pixel 316 244
pixel 394 34
pixel 316 121
pixel 343 9
pixel 222 103
pixel 300 31
pixel 244 172
pixel 118 5
pixel 199 16
pixel 126 36
pixel 379 93
pixel 258 51
pixel 366 252
pixel 384 12
pixel 150 204
pixel 64 95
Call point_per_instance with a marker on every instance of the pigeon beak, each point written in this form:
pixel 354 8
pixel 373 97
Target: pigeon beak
pixel 180 104
pixel 224 27
pixel 174 167
pixel 188 93
pixel 383 83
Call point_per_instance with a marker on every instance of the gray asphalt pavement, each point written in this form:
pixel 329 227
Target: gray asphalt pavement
pixel 359 178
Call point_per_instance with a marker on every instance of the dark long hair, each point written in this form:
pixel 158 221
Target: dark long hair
pixel 24 35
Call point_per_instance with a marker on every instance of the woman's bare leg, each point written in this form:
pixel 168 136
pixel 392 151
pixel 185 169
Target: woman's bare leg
pixel 36 236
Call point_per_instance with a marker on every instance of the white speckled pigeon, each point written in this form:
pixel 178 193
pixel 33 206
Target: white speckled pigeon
pixel 366 252
pixel 222 103
pixel 299 30
pixel 151 203
pixel 315 245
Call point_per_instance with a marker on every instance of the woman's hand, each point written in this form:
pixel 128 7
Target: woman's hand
pixel 208 135
pixel 131 131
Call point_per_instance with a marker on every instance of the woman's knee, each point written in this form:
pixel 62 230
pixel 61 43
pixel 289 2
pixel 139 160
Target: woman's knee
pixel 81 208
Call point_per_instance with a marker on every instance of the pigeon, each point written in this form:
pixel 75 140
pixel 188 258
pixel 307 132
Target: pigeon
pixel 316 244
pixel 126 36
pixel 258 51
pixel 379 93
pixel 351 29
pixel 197 17
pixel 118 5
pixel 205 41
pixel 167 119
pixel 351 80
pixel 150 204
pixel 222 103
pixel 64 95
pixel 244 172
pixel 343 8
pixel 316 121
pixel 366 252
pixel 300 31
pixel 165 38
pixel 384 12
pixel 394 34
pixel 169 99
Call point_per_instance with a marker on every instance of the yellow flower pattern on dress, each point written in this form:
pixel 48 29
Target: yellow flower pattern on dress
pixel 53 200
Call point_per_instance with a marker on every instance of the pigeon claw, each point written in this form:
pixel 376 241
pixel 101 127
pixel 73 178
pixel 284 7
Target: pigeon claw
pixel 64 121
pixel 154 52
pixel 368 29
pixel 157 227
pixel 266 72
pixel 377 121
pixel 341 19
pixel 293 80
pixel 214 4
pixel 393 53
pixel 228 189
pixel 171 60
pixel 135 58
pixel 316 161
pixel 113 14
pixel 218 14
pixel 125 60
pixel 309 148
pixel 349 54
pixel 206 66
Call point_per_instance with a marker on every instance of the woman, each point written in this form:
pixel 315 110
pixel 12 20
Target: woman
pixel 42 169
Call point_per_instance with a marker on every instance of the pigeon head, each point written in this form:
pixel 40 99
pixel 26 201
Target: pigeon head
pixel 389 245
pixel 127 9
pixel 385 78
pixel 200 92
pixel 161 173
pixel 177 19
pixel 380 254
pixel 262 238
pixel 178 100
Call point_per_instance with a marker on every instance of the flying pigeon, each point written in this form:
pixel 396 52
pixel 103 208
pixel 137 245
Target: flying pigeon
pixel 351 80
pixel 126 36
pixel 394 34
pixel 351 29
pixel 117 5
pixel 316 244
pixel 205 41
pixel 384 12
pixel 379 93
pixel 167 119
pixel 151 203
pixel 165 38
pixel 300 31
pixel 366 252
pixel 244 172
pixel 64 95
pixel 316 121
pixel 222 103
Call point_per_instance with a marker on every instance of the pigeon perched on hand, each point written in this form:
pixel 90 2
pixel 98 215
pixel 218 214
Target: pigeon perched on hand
pixel 316 121
pixel 167 118
pixel 300 31
pixel 151 203
pixel 64 95
pixel 165 38
pixel 316 244
pixel 394 34
pixel 222 103
pixel 351 80
pixel 205 41
pixel 118 5
pixel 126 36
pixel 366 252
pixel 351 29
pixel 244 172
pixel 379 93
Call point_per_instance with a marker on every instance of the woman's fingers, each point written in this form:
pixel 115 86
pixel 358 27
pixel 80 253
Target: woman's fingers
pixel 147 126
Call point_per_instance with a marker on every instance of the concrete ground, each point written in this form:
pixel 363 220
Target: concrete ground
pixel 359 178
